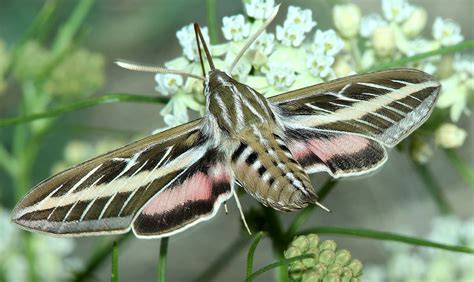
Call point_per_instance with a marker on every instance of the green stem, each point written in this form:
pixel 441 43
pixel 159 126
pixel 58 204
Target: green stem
pixel 434 188
pixel 441 51
pixel 461 166
pixel 162 260
pixel 279 242
pixel 279 264
pixel 85 103
pixel 98 258
pixel 251 252
pixel 31 256
pixel 212 21
pixel 222 260
pixel 114 277
pixel 367 233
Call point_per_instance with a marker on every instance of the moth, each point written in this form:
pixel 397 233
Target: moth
pixel 167 182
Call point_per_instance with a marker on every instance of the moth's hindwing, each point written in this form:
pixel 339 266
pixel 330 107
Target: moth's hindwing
pixel 104 195
pixel 385 106
pixel 193 197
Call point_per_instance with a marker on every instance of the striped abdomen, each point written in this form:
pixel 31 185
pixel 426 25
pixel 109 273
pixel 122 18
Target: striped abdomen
pixel 264 166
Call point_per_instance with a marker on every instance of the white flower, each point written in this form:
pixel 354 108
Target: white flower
pixel 259 9
pixel 176 111
pixel 319 64
pixel 406 266
pixel 187 40
pixel 347 19
pixel 301 18
pixel 168 83
pixel 464 67
pixel 383 41
pixel 445 230
pixel 448 135
pixel 290 35
pixel 264 43
pixel 328 42
pixel 280 76
pixel 420 151
pixel 396 10
pixel 235 28
pixel 415 23
pixel 369 23
pixel 447 32
pixel 454 94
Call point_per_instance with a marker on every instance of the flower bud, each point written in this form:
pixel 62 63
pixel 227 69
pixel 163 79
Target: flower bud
pixel 383 41
pixel 343 257
pixel 415 23
pixel 356 267
pixel 331 277
pixel 301 242
pixel 347 19
pixel 311 276
pixel 449 135
pixel 328 245
pixel 327 257
pixel 420 151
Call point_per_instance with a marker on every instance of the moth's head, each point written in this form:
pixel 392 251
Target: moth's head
pixel 215 79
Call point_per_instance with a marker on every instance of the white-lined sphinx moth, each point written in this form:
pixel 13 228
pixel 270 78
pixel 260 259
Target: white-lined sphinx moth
pixel 167 182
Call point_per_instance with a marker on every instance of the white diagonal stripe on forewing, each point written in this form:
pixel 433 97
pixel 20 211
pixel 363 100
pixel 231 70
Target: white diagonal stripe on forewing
pixel 134 183
pixel 373 85
pixel 350 114
pixel 61 198
pixel 356 107
pixel 78 200
pixel 118 190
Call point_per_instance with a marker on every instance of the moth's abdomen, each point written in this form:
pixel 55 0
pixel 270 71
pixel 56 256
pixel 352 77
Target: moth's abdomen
pixel 264 166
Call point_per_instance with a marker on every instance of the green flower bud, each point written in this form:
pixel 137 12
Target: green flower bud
pixel 296 270
pixel 328 245
pixel 292 252
pixel 347 275
pixel 309 262
pixel 336 268
pixel 327 257
pixel 311 276
pixel 356 267
pixel 313 241
pixel 420 151
pixel 32 61
pixel 332 277
pixel 321 269
pixel 342 257
pixel 301 242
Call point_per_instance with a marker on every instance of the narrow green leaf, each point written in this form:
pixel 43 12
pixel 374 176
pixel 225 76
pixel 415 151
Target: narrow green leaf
pixel 441 51
pixel 212 21
pixel 70 28
pixel 279 263
pixel 251 252
pixel 461 166
pixel 161 277
pixel 367 233
pixel 85 103
pixel 98 258
pixel 433 188
pixel 114 277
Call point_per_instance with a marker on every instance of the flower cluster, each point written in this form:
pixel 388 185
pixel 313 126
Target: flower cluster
pixel 422 264
pixel 328 263
pixel 54 254
pixel 297 55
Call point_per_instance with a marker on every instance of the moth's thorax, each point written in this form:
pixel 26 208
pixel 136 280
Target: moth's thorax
pixel 235 106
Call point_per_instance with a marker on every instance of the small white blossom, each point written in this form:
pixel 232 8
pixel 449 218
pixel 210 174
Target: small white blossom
pixel 447 32
pixel 369 23
pixel 383 41
pixel 454 94
pixel 235 28
pixel 187 40
pixel 347 19
pixel 301 18
pixel 406 266
pixel 259 9
pixel 448 135
pixel 464 67
pixel 328 42
pixel 396 10
pixel 168 83
pixel 264 43
pixel 176 110
pixel 319 64
pixel 421 151
pixel 280 76
pixel 290 35
pixel 415 23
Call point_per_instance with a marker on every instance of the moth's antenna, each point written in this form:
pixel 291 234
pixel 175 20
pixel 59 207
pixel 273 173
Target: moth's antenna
pixel 253 38
pixel 321 206
pixel 199 51
pixel 200 39
pixel 143 68
pixel 241 212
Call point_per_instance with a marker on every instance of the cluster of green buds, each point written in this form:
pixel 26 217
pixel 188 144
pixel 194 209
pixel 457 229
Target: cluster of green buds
pixel 327 264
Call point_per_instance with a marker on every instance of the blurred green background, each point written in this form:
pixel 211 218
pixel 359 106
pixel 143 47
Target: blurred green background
pixel 394 199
